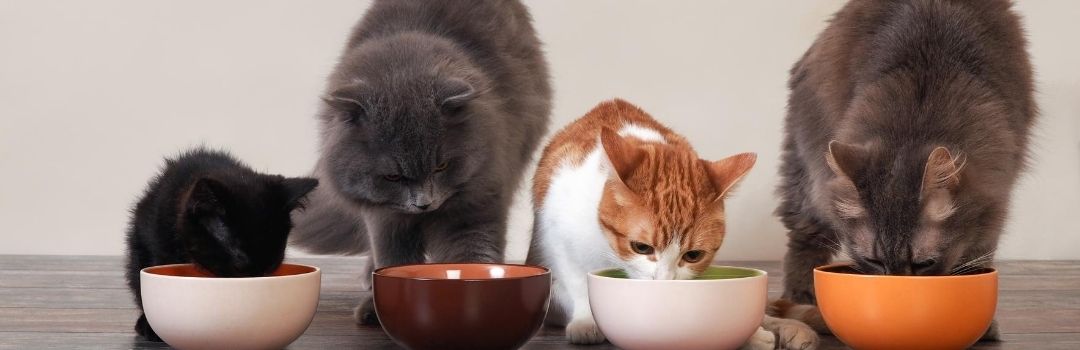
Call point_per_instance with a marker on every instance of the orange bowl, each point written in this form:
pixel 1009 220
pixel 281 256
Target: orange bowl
pixel 906 312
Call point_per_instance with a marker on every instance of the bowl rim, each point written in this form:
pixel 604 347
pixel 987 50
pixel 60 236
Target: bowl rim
pixel 544 271
pixel 761 274
pixel 145 271
pixel 821 270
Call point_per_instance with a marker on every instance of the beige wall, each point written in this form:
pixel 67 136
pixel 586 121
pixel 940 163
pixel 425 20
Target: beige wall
pixel 93 94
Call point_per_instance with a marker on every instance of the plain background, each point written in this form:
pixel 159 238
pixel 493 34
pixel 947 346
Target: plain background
pixel 94 93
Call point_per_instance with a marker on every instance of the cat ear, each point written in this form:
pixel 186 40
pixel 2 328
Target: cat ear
pixel 453 95
pixel 845 159
pixel 623 155
pixel 727 172
pixel 347 97
pixel 205 198
pixel 942 170
pixel 296 188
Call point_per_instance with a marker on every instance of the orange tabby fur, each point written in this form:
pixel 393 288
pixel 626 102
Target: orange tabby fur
pixel 658 190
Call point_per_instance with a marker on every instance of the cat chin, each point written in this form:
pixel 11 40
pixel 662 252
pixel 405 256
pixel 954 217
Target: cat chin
pixel 407 209
pixel 393 208
pixel 413 210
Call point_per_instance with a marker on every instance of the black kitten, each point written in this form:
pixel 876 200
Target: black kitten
pixel 209 209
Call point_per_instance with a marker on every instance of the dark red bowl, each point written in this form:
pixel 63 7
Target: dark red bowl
pixel 462 306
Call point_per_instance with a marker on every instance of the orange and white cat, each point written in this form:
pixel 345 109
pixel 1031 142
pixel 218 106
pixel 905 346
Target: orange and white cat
pixel 618 189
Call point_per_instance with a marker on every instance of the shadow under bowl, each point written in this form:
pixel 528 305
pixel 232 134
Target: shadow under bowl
pixel 191 309
pixel 906 312
pixel 461 306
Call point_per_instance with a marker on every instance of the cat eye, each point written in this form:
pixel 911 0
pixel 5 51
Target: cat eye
pixel 641 248
pixel 392 178
pixel 693 256
pixel 442 166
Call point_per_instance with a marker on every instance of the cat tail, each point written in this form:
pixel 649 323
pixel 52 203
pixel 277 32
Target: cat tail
pixel 326 226
pixel 808 314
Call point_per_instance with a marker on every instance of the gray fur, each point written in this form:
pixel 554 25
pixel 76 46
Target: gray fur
pixel 890 82
pixel 431 117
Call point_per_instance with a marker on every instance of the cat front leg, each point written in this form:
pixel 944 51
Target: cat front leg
pixel 582 328
pixel 761 340
pixel 468 239
pixel 804 313
pixel 790 334
pixel 142 327
pixel 394 242
pixel 809 245
pixel 992 334
pixel 572 295
pixel 367 266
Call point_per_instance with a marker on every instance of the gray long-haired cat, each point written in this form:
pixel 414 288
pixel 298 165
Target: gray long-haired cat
pixel 431 116
pixel 907 128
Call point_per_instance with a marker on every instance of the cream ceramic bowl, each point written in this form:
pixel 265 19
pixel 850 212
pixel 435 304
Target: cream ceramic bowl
pixel 192 310
pixel 719 310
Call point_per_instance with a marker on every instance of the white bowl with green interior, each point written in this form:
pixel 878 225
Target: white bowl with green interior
pixel 720 309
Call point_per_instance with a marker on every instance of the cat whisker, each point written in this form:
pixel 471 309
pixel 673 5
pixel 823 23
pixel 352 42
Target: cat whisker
pixel 964 270
pixel 974 263
pixel 832 243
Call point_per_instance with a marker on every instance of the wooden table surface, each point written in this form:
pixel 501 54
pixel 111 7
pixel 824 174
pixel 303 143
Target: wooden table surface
pixel 70 302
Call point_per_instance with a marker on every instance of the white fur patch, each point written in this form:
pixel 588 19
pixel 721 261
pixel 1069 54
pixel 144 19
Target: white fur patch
pixel 641 133
pixel 667 261
pixel 568 229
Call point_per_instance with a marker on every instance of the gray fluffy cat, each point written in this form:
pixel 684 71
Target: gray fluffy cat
pixel 907 128
pixel 430 118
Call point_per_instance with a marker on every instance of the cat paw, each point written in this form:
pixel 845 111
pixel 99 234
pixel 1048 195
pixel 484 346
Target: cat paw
pixel 792 334
pixel 992 333
pixel 584 331
pixel 761 340
pixel 142 328
pixel 365 313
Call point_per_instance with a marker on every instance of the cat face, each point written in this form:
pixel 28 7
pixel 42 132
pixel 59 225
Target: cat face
pixel 238 226
pixel 662 209
pixel 899 214
pixel 409 140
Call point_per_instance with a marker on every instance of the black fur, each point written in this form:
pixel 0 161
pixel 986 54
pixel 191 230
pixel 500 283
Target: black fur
pixel 209 209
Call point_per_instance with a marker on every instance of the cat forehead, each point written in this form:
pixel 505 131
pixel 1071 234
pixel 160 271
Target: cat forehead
pixel 692 226
pixel 668 178
pixel 405 131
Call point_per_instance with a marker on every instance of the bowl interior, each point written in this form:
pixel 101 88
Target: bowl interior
pixel 190 270
pixel 461 271
pixel 848 269
pixel 710 273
